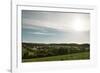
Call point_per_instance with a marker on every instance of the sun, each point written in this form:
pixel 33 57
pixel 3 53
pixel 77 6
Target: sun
pixel 78 25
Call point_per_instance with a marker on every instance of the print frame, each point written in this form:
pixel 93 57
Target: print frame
pixel 16 62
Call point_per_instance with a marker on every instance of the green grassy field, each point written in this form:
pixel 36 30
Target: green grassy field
pixel 75 56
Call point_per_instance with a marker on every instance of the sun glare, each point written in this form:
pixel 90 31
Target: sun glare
pixel 78 25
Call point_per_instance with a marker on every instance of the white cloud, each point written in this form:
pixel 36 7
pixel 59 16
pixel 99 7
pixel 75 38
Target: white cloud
pixel 61 21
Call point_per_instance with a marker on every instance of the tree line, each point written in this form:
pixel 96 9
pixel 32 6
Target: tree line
pixel 44 50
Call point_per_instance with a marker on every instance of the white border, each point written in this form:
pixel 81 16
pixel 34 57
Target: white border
pixel 18 66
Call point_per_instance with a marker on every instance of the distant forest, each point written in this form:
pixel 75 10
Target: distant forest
pixel 40 50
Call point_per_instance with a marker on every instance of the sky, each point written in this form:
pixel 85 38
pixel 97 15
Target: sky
pixel 55 27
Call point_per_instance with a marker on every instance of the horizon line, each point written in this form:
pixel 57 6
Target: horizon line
pixel 56 43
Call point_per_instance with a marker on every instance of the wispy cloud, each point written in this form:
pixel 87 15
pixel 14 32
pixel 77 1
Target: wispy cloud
pixel 57 20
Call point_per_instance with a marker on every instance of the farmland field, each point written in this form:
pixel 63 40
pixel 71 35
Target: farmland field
pixel 75 56
pixel 35 52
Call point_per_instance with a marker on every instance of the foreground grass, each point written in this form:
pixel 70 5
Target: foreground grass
pixel 75 56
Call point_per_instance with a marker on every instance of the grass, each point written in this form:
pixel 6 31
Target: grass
pixel 75 56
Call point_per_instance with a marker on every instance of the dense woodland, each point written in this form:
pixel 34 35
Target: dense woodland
pixel 39 50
